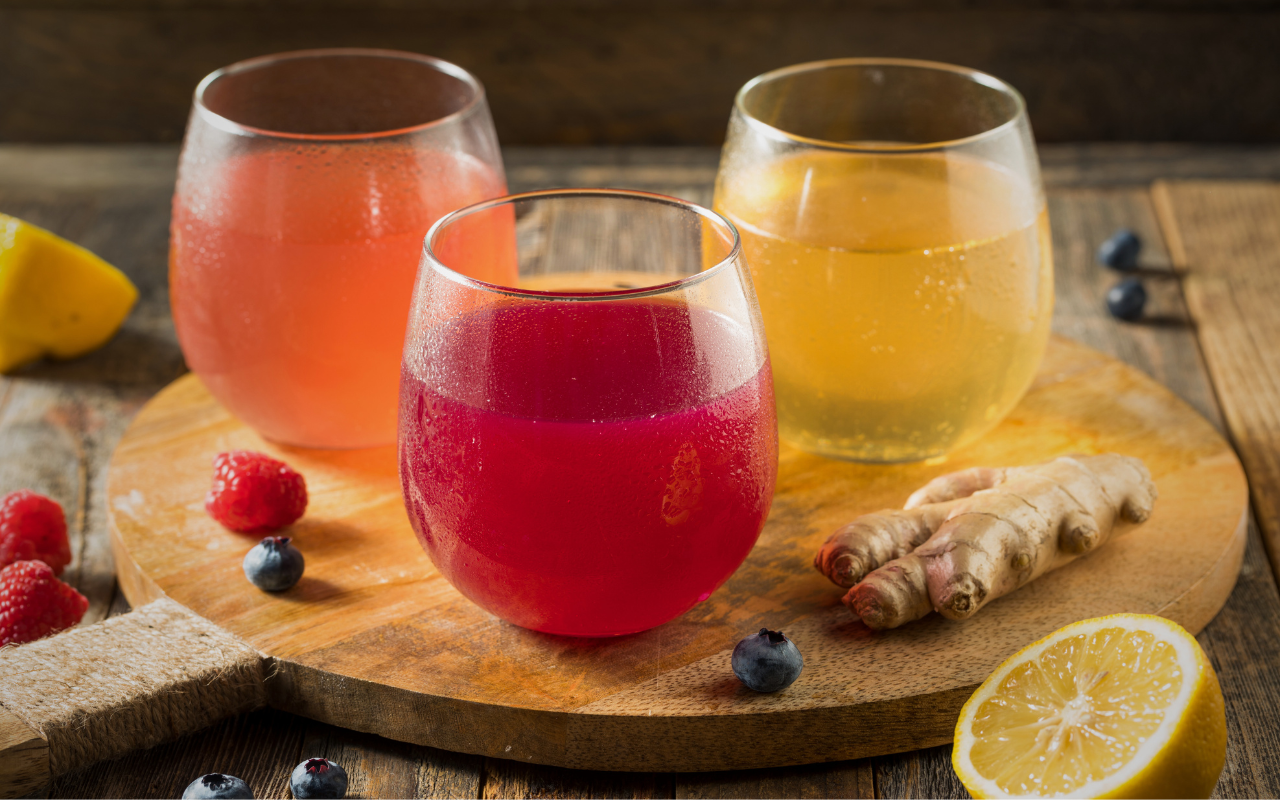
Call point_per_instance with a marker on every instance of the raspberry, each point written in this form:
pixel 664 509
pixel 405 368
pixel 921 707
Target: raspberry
pixel 253 493
pixel 34 603
pixel 32 527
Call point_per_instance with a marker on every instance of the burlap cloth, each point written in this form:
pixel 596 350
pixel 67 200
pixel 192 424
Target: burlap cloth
pixel 128 683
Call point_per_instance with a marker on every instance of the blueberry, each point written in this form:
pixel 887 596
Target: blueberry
pixel 1120 252
pixel 318 777
pixel 1126 299
pixel 274 564
pixel 767 661
pixel 216 786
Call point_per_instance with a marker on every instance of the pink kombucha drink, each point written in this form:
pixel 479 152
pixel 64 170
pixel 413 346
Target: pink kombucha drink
pixel 291 274
pixel 306 185
pixel 575 468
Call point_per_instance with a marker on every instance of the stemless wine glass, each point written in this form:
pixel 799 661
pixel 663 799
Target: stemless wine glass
pixel 589 448
pixel 894 221
pixel 306 184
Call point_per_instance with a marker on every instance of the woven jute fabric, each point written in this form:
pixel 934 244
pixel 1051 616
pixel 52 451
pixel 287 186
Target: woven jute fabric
pixel 130 682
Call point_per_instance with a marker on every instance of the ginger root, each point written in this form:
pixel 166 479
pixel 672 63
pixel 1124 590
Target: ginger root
pixel 971 536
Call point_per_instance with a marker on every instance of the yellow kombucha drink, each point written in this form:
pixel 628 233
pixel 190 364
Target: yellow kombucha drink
pixel 906 296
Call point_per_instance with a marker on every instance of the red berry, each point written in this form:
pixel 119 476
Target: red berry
pixel 32 527
pixel 253 493
pixel 34 603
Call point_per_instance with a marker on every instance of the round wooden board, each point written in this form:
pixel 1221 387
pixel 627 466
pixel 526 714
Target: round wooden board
pixel 374 639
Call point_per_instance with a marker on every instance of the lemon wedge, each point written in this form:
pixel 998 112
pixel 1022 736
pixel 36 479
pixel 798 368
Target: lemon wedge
pixel 1120 706
pixel 56 298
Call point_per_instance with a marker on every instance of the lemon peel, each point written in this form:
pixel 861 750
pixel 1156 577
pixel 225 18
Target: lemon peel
pixel 56 298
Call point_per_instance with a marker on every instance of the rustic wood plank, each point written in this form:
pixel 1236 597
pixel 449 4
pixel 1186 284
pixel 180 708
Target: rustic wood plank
pixel 75 172
pixel 43 453
pixel 449 775
pixel 1243 644
pixel 924 773
pixel 574 72
pixel 512 779
pixel 378 767
pixel 1225 238
pixel 70 171
pixel 1140 163
pixel 840 779
pixel 24 758
pixel 1164 344
pixel 689 171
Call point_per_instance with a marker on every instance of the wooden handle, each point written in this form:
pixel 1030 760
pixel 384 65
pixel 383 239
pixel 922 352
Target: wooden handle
pixel 24 758
pixel 127 683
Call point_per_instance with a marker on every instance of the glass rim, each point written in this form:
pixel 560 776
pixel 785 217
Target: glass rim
pixel 977 76
pixel 231 126
pixel 445 271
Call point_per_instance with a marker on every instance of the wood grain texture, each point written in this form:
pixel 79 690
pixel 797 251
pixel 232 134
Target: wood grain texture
pixel 924 773
pixel 1225 239
pixel 512 779
pixel 379 767
pixel 1129 166
pixel 24 757
pixel 1244 648
pixel 847 779
pixel 374 639
pixel 1164 344
pixel 637 72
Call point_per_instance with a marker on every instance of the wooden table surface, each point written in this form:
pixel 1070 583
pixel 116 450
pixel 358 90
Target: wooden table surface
pixel 1210 220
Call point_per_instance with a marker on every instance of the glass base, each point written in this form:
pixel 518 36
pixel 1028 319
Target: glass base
pixel 863 451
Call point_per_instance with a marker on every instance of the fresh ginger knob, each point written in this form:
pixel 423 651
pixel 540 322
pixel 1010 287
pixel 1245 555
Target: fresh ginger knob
pixel 971 536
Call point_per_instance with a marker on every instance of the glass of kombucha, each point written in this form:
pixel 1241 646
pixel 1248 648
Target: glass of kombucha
pixel 306 184
pixel 589 448
pixel 894 221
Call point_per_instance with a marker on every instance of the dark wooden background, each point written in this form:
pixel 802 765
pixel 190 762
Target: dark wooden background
pixel 656 71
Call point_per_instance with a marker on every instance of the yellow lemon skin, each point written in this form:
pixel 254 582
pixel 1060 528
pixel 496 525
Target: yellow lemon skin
pixel 56 298
pixel 1189 763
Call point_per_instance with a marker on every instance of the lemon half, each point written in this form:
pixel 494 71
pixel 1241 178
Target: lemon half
pixel 1120 706
pixel 56 298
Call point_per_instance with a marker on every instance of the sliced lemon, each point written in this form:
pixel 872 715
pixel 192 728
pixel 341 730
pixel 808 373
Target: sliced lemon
pixel 56 298
pixel 1119 706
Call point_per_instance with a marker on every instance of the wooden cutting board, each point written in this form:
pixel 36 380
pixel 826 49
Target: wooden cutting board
pixel 374 639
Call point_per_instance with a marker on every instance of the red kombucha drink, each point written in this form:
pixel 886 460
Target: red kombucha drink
pixel 580 468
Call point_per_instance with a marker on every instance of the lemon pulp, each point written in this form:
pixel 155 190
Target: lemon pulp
pixel 1120 706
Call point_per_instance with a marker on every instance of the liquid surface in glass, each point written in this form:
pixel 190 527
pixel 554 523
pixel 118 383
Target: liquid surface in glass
pixel 291 276
pixel 581 468
pixel 906 298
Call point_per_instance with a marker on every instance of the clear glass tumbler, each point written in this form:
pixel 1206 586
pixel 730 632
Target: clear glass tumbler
pixel 306 184
pixel 587 447
pixel 894 220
